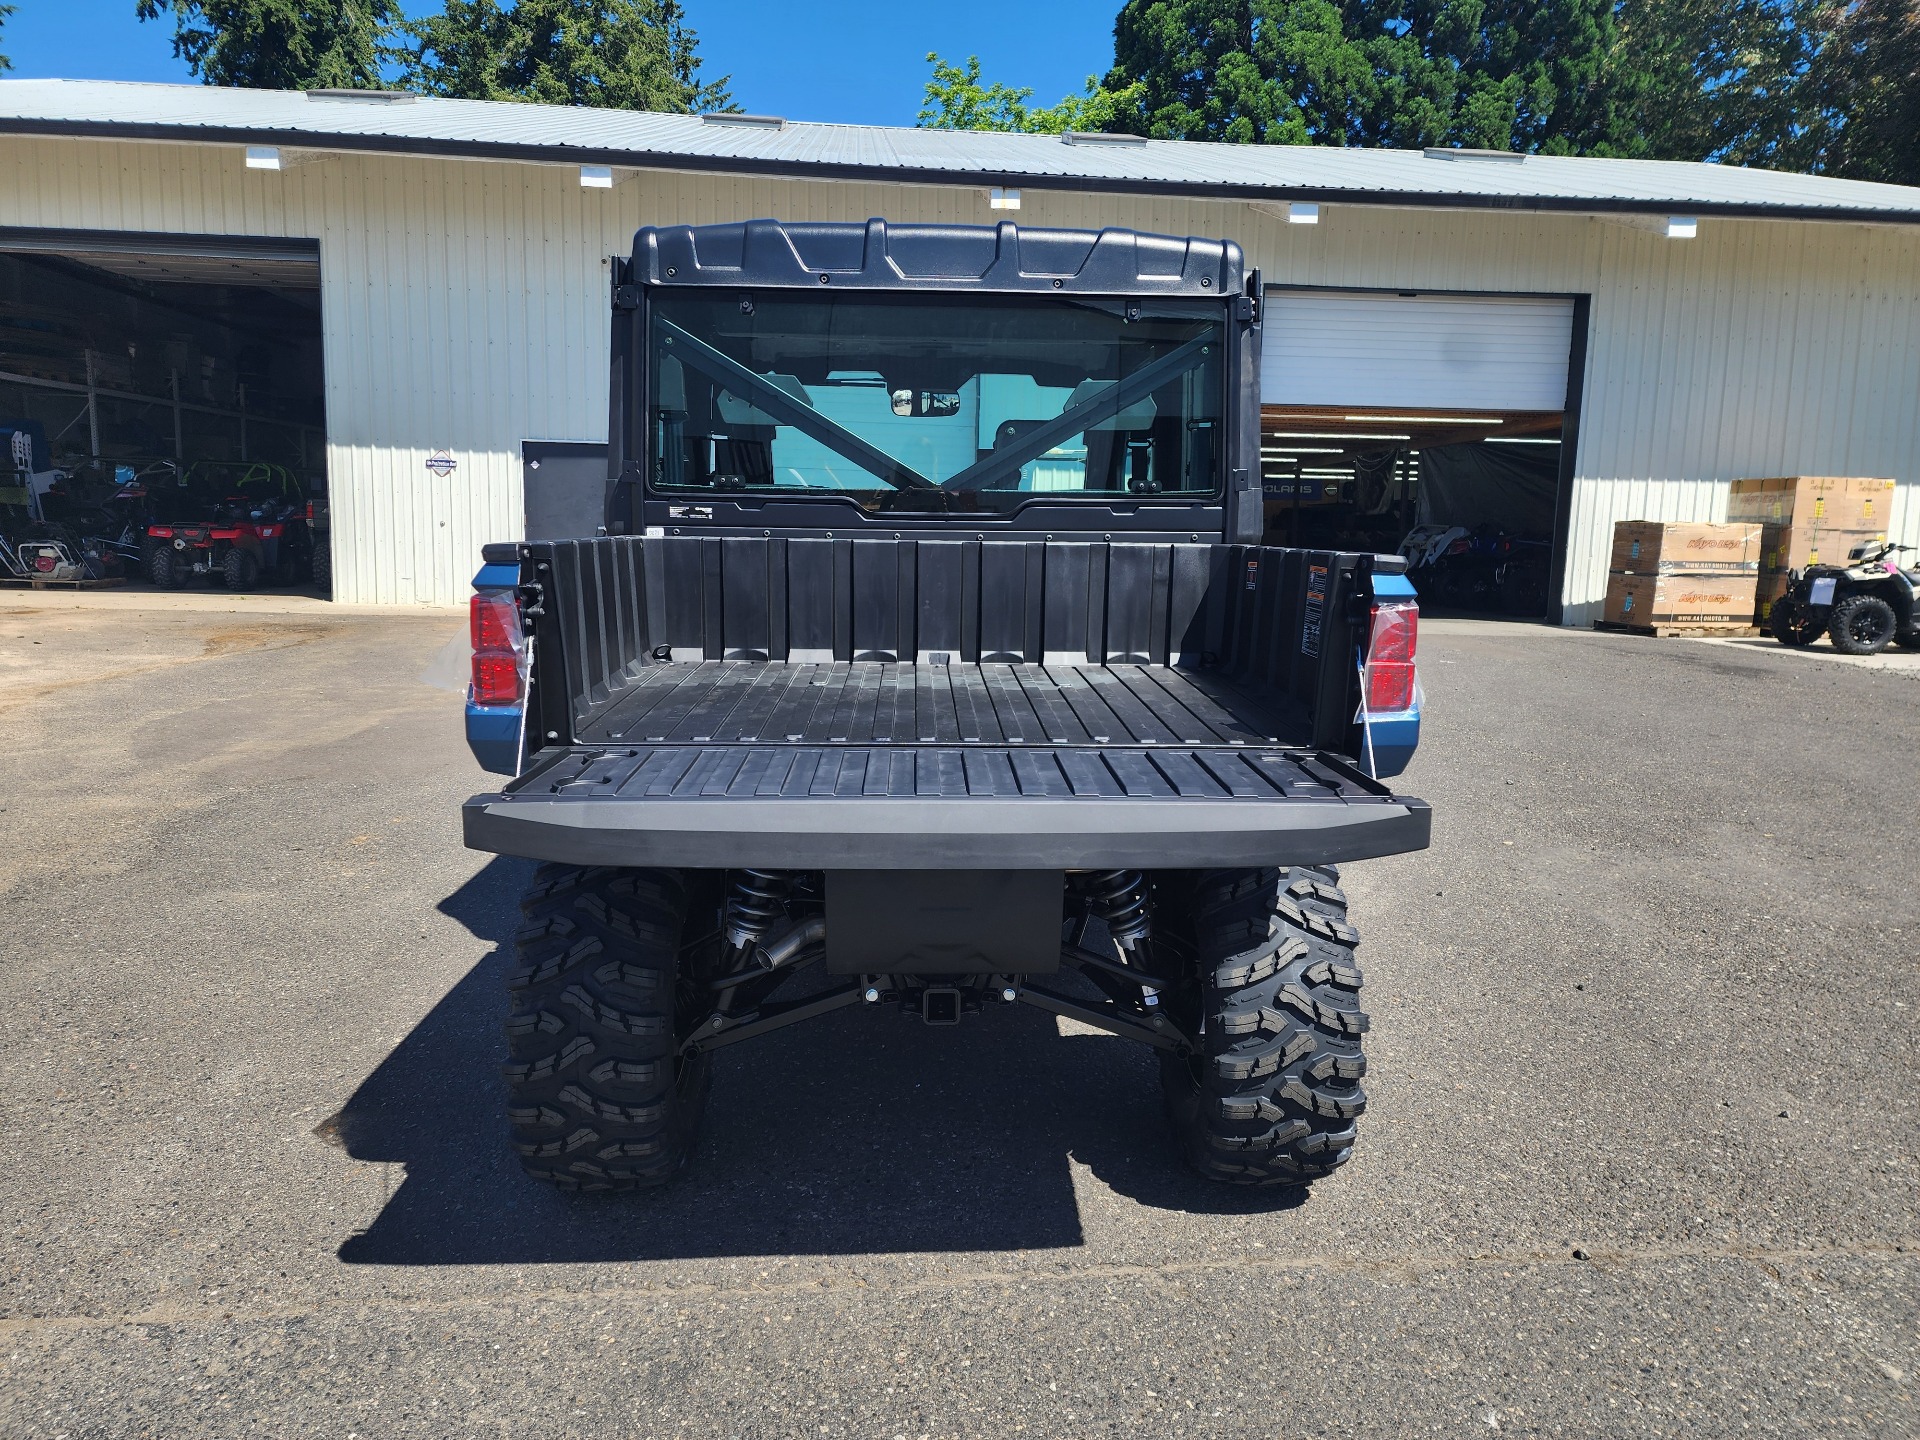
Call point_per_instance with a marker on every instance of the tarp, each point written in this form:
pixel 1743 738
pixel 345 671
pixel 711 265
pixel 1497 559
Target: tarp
pixel 1512 486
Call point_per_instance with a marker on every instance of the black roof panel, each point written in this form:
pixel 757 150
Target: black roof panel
pixel 880 256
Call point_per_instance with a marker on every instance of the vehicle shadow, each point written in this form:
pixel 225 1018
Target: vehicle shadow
pixel 857 1133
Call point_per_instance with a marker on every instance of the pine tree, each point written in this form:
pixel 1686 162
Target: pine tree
pixel 619 54
pixel 279 44
pixel 1866 79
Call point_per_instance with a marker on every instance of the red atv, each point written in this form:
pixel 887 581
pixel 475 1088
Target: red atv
pixel 248 536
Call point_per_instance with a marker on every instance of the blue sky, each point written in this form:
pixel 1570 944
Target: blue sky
pixel 854 60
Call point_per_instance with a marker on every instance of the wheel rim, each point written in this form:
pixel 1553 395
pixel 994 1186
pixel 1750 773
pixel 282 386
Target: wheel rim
pixel 1865 627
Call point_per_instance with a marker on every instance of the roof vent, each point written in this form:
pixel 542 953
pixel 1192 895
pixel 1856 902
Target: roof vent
pixel 753 122
pixel 1097 137
pixel 1444 152
pixel 366 97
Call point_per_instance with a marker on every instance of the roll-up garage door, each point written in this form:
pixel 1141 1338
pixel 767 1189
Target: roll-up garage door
pixel 1418 352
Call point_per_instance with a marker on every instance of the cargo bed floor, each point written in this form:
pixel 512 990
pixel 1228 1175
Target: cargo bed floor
pixel 719 702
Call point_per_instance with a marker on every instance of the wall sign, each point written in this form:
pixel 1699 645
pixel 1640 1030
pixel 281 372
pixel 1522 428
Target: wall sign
pixel 441 463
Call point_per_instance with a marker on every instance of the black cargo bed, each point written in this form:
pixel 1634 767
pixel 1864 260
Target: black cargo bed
pixel 879 703
pixel 821 704
pixel 877 765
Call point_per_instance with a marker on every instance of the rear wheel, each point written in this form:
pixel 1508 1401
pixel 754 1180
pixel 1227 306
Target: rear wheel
pixel 1862 625
pixel 164 568
pixel 241 568
pixel 1791 625
pixel 323 564
pixel 599 1097
pixel 1273 1093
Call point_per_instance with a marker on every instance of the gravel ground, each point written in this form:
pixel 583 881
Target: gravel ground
pixel 1640 1159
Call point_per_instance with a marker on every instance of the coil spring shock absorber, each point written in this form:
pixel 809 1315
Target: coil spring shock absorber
pixel 756 905
pixel 1119 898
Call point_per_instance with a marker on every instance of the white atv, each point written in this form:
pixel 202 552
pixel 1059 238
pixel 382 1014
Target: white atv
pixel 1863 606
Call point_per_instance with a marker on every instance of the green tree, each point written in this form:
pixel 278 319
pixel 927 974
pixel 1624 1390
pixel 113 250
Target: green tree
pixel 1498 74
pixel 957 100
pixel 1491 73
pixel 5 63
pixel 1766 82
pixel 1712 80
pixel 1867 83
pixel 618 54
pixel 279 44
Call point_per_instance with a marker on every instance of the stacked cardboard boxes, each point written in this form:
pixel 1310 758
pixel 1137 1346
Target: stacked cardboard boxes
pixel 1807 520
pixel 1683 574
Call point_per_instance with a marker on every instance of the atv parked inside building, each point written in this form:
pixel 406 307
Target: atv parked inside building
pixel 930 664
pixel 258 533
pixel 1862 606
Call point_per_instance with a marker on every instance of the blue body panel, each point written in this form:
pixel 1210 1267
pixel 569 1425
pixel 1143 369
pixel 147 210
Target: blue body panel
pixel 1396 736
pixel 493 731
pixel 1394 741
pixel 493 734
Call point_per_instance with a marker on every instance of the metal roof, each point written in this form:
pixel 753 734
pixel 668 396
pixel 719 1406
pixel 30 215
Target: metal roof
pixel 370 121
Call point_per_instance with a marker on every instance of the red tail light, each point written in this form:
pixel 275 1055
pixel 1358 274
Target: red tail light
pixel 1390 656
pixel 498 645
pixel 496 679
pixel 495 621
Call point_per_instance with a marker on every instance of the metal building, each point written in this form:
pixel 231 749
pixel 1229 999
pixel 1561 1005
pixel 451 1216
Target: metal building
pixel 1664 328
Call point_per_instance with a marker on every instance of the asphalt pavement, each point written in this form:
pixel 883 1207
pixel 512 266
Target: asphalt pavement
pixel 1640 1158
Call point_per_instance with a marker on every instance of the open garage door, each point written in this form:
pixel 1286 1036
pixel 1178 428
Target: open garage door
pixel 162 407
pixel 1430 424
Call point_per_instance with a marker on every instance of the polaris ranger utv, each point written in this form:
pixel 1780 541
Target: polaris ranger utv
pixel 930 662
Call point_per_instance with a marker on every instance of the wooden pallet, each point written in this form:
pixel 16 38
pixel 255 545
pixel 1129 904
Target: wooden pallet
pixel 47 582
pixel 1696 628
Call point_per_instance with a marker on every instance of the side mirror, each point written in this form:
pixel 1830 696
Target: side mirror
pixel 936 403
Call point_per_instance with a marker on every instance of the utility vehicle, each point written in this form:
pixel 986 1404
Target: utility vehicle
pixel 1862 606
pixel 259 530
pixel 930 663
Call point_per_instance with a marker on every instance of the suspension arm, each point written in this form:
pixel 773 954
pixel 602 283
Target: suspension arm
pixel 718 1030
pixel 1157 1031
pixel 1131 974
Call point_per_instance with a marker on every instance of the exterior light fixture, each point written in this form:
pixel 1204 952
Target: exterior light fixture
pixel 596 177
pixel 263 157
pixel 1002 199
pixel 1303 212
pixel 1682 227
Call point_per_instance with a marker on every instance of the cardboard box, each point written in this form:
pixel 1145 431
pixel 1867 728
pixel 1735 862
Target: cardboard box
pixel 1681 599
pixel 1654 547
pixel 1842 502
pixel 1796 546
pixel 1771 588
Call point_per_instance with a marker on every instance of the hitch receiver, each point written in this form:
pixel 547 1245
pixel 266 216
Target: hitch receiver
pixel 940 1005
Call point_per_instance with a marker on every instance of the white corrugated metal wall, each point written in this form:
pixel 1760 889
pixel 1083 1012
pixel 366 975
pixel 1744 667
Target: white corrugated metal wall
pixel 464 309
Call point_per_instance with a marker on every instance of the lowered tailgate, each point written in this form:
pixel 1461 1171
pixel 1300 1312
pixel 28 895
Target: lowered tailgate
pixel 935 806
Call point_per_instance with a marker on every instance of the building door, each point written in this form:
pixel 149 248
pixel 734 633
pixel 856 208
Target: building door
pixel 1435 424
pixel 163 410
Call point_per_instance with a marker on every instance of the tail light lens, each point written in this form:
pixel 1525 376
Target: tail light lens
pixel 496 679
pixel 499 645
pixel 1390 656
